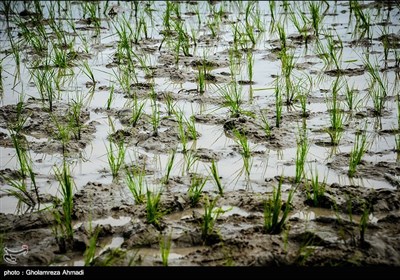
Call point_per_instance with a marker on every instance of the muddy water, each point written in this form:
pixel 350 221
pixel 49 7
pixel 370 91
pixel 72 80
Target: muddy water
pixel 238 237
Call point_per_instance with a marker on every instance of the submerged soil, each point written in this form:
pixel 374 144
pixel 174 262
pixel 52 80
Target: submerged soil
pixel 349 225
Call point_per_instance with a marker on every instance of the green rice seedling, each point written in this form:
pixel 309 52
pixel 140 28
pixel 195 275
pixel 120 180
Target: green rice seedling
pixel 302 27
pixel 317 187
pixel 190 159
pixel 335 131
pixel 62 133
pixel 317 16
pixel 116 156
pixel 63 229
pixel 201 79
pixel 250 63
pixel 241 139
pixel 232 95
pixel 266 126
pixel 21 153
pixel 90 251
pixel 301 156
pixel 167 16
pixel 278 104
pixel 378 97
pixel 335 50
pixel 155 116
pixel 211 214
pixel 356 154
pixel 195 189
pixel 170 164
pixel 135 181
pixel 351 97
pixel 165 247
pixel 373 71
pixel 153 212
pixel 75 111
pixel 181 130
pixel 169 102
pixel 88 72
pixel 137 111
pixel 217 180
pixel 363 18
pixel 282 36
pixel 397 143
pixel 19 190
pixel 272 5
pixel 287 60
pixel 276 212
pixel 44 79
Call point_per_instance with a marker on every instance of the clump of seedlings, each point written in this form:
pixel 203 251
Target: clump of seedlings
pixel 210 216
pixel 315 188
pixel 63 210
pixel 216 177
pixel 356 154
pixel 135 181
pixel 195 189
pixel 276 211
pixel 153 211
pixel 165 248
pixel 115 156
pixel 301 156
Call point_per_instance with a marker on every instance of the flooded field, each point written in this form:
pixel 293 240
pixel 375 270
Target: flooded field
pixel 205 133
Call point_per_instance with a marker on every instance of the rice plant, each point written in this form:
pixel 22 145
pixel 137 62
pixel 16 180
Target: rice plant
pixel 336 114
pixel 170 164
pixel 165 247
pixel 245 150
pixel 137 111
pixel 135 181
pixel 62 133
pixel 74 116
pixel 155 116
pixel 201 79
pixel 317 16
pixel 233 99
pixel 195 189
pixel 351 98
pixel 217 180
pixel 317 187
pixel 266 126
pixel 250 63
pixel 302 27
pixel 210 216
pixel 19 190
pixel 115 156
pixel 301 156
pixel 63 215
pixel 276 211
pixel 278 104
pixel 356 154
pixel 90 251
pixel 183 137
pixel 88 72
pixel 363 17
pixel 288 63
pixel 153 212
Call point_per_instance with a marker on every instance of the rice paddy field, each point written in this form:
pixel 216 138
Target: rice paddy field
pixel 200 133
